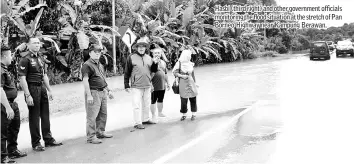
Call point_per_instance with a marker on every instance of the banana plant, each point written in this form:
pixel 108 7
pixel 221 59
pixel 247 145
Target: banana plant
pixel 14 13
pixel 76 24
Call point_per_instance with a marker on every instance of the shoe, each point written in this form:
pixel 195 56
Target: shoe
pixel 17 154
pixel 39 148
pixel 94 141
pixel 139 126
pixel 7 160
pixel 55 143
pixel 193 117
pixel 162 115
pixel 104 135
pixel 183 118
pixel 149 122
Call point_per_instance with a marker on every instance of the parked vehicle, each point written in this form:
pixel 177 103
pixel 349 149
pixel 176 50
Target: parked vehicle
pixel 344 48
pixel 319 49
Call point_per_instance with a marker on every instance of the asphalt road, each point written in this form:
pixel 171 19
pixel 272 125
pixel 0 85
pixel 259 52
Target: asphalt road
pixel 303 114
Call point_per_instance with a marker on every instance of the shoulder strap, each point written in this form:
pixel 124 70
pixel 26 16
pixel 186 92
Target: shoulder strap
pixel 99 70
pixel 179 71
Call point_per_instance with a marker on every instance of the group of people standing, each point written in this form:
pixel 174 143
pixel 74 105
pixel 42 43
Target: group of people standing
pixel 145 77
pixel 35 84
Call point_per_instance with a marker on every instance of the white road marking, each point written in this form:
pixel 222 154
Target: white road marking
pixel 177 151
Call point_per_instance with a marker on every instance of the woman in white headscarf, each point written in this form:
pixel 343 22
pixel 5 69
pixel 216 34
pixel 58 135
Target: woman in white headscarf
pixel 184 70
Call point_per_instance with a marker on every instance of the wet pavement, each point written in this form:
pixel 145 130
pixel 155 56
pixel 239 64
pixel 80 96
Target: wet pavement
pixel 298 111
pixel 139 146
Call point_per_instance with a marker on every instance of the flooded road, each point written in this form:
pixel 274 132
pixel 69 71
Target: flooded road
pixel 275 110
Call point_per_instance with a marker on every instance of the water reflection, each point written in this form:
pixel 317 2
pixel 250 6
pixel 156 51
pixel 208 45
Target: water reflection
pixel 263 119
pixel 252 139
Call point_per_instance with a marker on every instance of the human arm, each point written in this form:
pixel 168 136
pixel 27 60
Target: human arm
pixel 87 89
pixel 86 72
pixel 9 111
pixel 177 74
pixel 46 81
pixel 166 79
pixel 22 72
pixel 47 85
pixel 127 73
pixel 193 77
pixel 154 65
pixel 195 82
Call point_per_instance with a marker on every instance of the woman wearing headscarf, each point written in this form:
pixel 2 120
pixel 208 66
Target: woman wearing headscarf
pixel 184 70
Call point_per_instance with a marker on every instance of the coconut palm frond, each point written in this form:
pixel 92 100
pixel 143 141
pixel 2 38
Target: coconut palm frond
pixel 207 54
pixel 213 51
pixel 213 43
pixel 234 51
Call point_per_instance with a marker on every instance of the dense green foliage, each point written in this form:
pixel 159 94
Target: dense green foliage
pixel 173 24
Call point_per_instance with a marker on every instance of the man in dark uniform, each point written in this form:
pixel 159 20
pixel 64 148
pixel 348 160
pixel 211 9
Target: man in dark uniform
pixel 10 114
pixel 33 75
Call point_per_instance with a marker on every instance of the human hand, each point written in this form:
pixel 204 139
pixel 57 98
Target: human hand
pixel 152 88
pixel 155 59
pixel 50 96
pixel 89 99
pixel 10 113
pixel 29 100
pixel 110 95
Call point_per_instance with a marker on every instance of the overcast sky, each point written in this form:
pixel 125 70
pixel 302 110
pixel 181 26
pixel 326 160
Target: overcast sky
pixel 347 6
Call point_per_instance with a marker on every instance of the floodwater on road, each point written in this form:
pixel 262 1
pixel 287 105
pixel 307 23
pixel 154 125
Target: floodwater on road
pixel 301 112
pixel 224 88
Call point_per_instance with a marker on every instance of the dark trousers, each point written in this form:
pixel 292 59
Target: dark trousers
pixel 9 130
pixel 184 103
pixel 40 111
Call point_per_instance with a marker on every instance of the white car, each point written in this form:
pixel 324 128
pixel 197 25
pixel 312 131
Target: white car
pixel 344 47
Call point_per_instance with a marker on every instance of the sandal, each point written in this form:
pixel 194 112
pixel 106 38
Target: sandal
pixel 183 118
pixel 193 118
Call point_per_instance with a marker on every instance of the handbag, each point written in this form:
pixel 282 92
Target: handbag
pixel 175 85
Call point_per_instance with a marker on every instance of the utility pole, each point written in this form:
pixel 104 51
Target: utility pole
pixel 264 32
pixel 114 37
